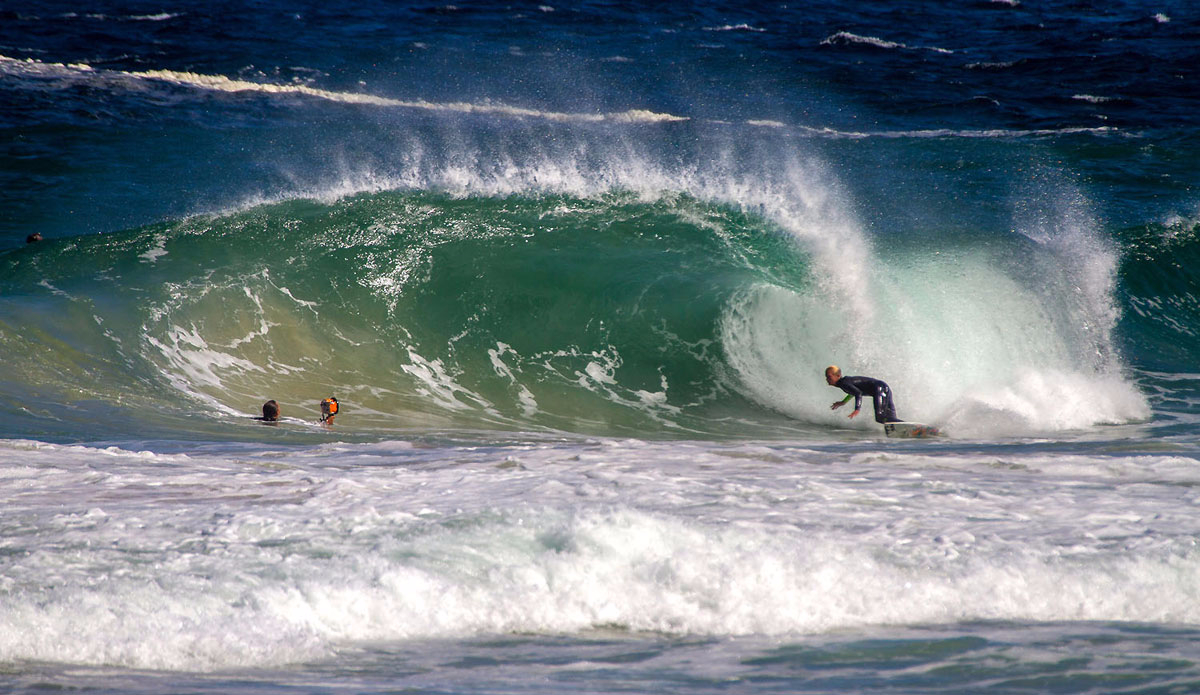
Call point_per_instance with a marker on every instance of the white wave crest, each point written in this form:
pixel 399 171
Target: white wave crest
pixel 735 27
pixel 846 37
pixel 220 83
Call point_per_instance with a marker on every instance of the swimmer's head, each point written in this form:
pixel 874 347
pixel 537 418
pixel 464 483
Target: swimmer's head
pixel 329 408
pixel 271 410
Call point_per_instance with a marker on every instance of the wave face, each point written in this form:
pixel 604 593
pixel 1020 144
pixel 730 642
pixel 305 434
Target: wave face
pixel 1158 288
pixel 665 305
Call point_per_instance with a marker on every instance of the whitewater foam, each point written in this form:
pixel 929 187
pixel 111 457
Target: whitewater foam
pixel 1060 219
pixel 1042 400
pixel 196 562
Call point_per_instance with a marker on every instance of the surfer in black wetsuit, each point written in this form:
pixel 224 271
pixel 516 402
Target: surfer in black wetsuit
pixel 859 386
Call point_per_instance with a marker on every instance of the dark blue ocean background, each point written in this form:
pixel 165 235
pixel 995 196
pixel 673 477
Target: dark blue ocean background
pixel 1113 85
pixel 496 228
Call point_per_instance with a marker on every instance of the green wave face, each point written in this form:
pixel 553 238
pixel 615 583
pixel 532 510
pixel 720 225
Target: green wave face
pixel 416 310
pixel 617 313
pixel 1159 292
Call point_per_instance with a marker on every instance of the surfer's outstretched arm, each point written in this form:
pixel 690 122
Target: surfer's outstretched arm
pixel 833 377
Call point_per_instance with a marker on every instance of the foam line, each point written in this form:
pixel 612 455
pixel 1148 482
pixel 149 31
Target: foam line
pixel 220 83
pixel 934 133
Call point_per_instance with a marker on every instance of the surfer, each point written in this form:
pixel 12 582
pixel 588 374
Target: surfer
pixel 858 386
pixel 270 412
pixel 329 408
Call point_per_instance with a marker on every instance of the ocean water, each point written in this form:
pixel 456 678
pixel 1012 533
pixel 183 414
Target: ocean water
pixel 574 272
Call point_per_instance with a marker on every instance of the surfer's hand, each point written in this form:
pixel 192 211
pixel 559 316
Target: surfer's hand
pixel 837 404
pixel 853 414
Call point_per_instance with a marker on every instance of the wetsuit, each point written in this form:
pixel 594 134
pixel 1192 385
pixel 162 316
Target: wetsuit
pixel 859 386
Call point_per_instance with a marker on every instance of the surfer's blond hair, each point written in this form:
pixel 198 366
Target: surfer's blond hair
pixel 833 369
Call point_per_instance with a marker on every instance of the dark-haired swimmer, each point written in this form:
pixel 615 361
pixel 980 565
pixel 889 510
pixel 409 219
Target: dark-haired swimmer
pixel 859 386
pixel 270 412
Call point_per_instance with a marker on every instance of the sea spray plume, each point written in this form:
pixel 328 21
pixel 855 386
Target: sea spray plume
pixel 777 335
pixel 803 197
pixel 792 190
pixel 1064 224
pixel 1068 374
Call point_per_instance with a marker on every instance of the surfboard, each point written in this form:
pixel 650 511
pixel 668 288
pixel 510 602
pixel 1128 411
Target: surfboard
pixel 910 430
